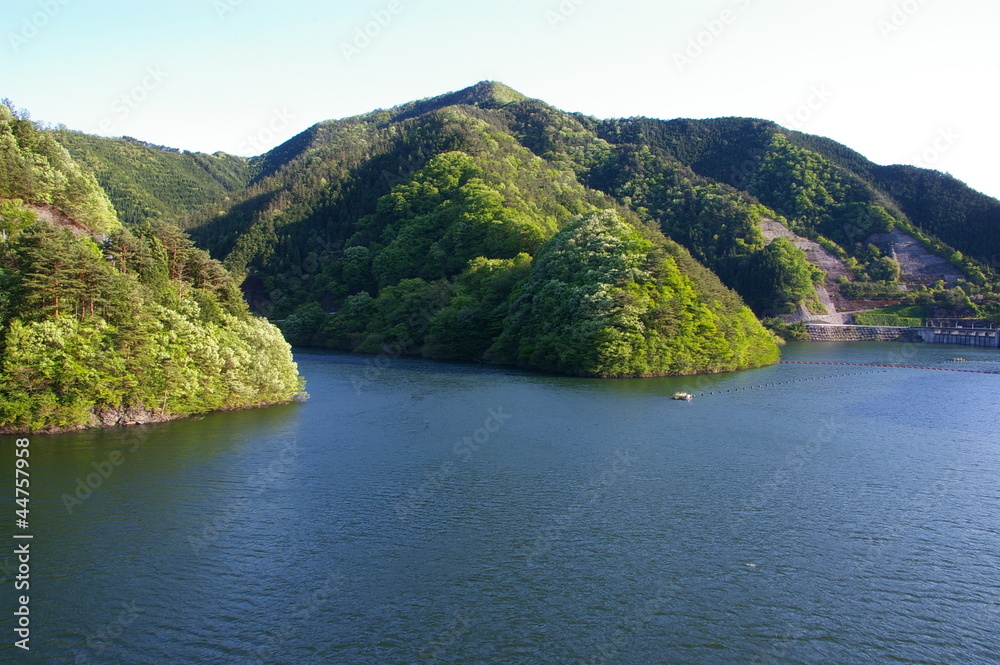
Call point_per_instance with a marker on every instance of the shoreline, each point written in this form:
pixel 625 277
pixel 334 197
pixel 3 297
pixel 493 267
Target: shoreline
pixel 140 416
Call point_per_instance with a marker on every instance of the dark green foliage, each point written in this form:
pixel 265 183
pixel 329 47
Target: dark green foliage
pixel 396 323
pixel 474 317
pixel 304 324
pixel 560 138
pixel 726 150
pixel 439 320
pixel 147 182
pixel 417 226
pixel 59 273
pixel 944 207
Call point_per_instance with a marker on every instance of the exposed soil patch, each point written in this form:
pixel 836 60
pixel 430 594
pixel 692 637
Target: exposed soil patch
pixel 829 290
pixel 57 217
pixel 919 265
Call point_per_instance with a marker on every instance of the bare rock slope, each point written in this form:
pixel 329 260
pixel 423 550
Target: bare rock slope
pixel 829 290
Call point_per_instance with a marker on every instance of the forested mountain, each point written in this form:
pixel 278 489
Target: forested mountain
pixel 146 182
pixel 484 225
pixel 103 323
pixel 706 184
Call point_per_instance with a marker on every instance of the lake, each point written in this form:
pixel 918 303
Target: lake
pixel 419 512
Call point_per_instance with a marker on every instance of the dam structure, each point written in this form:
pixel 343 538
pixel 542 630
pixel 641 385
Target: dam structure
pixel 929 334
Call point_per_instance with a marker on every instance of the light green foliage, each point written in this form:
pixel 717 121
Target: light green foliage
pixel 444 217
pixel 796 182
pixel 65 372
pixel 602 300
pixel 897 315
pixel 14 217
pixel 885 269
pixel 792 277
pixel 36 169
pixel 145 326
pixel 817 196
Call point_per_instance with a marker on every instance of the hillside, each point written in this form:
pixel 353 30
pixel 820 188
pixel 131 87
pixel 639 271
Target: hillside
pixel 147 182
pixel 106 324
pixel 451 199
pixel 605 299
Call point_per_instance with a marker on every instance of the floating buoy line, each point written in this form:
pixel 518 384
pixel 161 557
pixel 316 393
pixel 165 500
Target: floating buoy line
pixel 785 383
pixel 937 369
pixel 882 369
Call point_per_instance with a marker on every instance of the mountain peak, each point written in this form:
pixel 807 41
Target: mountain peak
pixel 490 94
pixel 485 94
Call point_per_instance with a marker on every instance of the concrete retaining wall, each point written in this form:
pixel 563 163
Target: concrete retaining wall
pixel 832 333
pixel 962 337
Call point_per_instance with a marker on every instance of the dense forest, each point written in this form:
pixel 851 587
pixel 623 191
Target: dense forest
pixel 314 228
pixel 605 299
pixel 479 225
pixel 103 323
pixel 146 182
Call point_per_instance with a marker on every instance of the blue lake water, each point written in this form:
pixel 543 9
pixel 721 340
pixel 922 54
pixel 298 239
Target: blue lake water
pixel 418 512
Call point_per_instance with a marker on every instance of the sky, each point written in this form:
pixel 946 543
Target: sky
pixel 901 81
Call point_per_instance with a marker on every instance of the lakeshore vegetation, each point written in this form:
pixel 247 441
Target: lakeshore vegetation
pixel 104 324
pixel 480 225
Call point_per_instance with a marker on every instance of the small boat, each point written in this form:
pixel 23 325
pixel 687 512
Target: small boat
pixel 959 360
pixel 687 397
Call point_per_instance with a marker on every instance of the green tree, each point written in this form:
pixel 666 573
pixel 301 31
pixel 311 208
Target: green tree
pixel 14 218
pixel 603 300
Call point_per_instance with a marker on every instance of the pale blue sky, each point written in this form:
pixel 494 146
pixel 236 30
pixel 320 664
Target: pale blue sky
pixel 902 81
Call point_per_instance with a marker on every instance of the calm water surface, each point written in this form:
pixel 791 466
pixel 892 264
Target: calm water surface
pixel 415 512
